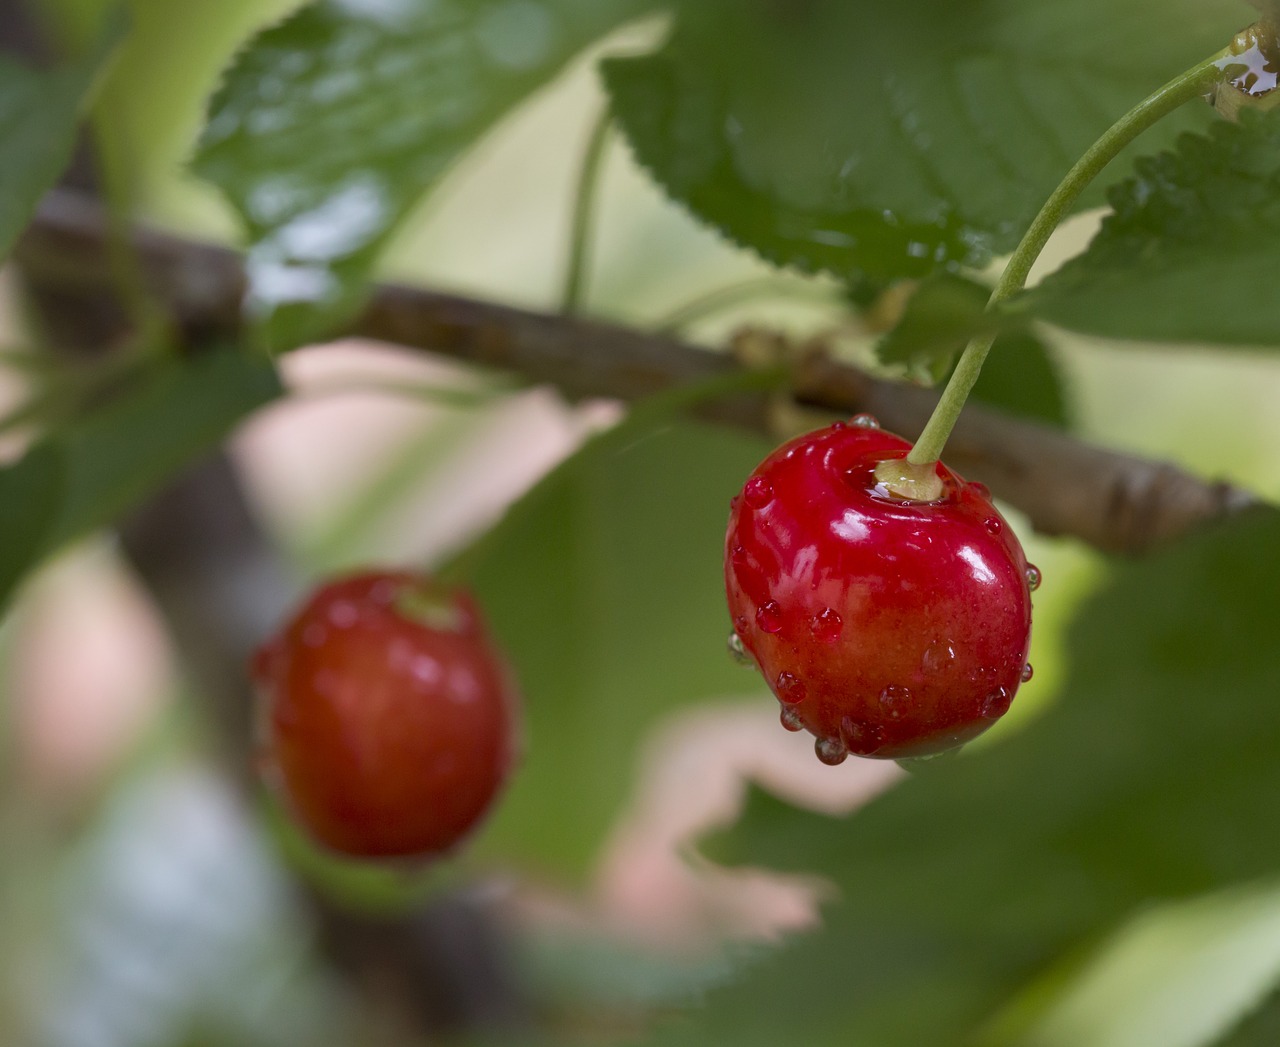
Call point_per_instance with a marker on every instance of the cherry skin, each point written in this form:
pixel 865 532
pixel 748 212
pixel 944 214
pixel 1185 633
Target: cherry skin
pixel 387 718
pixel 885 627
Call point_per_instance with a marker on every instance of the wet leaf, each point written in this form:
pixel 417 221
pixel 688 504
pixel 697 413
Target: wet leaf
pixel 330 126
pixel 889 139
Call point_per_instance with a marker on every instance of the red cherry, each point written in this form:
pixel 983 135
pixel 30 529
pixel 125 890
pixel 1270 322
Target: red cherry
pixel 387 715
pixel 886 627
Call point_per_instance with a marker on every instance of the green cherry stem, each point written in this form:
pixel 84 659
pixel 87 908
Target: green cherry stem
pixel 584 205
pixel 1171 96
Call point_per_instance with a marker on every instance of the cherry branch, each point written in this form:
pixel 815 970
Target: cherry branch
pixel 1116 502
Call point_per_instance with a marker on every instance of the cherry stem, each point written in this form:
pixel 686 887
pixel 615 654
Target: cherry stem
pixel 1195 81
pixel 584 205
pixel 433 608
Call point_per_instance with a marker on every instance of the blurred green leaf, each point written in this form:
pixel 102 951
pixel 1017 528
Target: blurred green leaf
pixel 1149 780
pixel 1177 975
pixel 888 139
pixel 605 587
pixel 940 318
pixel 30 491
pixel 91 471
pixel 119 453
pixel 1269 8
pixel 1260 1029
pixel 39 114
pixel 1021 378
pixel 151 101
pixel 332 125
pixel 585 969
pixel 1191 251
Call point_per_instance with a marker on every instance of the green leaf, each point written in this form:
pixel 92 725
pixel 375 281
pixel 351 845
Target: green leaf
pixel 152 100
pixel 1190 253
pixel 943 313
pixel 889 139
pixel 91 472
pixel 940 318
pixel 1176 975
pixel 1269 8
pixel 332 125
pixel 1147 781
pixel 1021 378
pixel 606 588
pixel 118 454
pixel 30 490
pixel 1260 1029
pixel 39 114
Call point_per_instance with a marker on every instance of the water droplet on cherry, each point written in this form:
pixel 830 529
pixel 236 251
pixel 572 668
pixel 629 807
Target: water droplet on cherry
pixel 737 650
pixel 1027 672
pixel 791 719
pixel 789 689
pixel 938 655
pixel 827 626
pixel 993 525
pixel 1033 577
pixel 860 738
pixel 831 751
pixel 758 492
pixel 895 701
pixel 997 703
pixel 385 592
pixel 343 615
pixel 865 421
pixel 426 670
pixel 769 617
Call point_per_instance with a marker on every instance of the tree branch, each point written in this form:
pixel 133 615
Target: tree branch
pixel 1116 502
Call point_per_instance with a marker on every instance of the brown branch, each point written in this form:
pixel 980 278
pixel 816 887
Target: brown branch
pixel 1116 502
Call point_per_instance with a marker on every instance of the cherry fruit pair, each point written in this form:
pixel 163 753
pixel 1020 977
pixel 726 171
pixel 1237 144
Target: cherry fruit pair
pixel 886 626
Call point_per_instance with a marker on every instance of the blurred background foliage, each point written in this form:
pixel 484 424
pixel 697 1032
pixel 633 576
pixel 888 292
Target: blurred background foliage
pixel 1098 871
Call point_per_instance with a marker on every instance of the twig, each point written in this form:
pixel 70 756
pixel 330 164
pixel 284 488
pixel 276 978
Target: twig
pixel 1116 502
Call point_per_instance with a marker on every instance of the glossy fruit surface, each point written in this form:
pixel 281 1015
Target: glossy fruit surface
pixel 388 718
pixel 885 627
